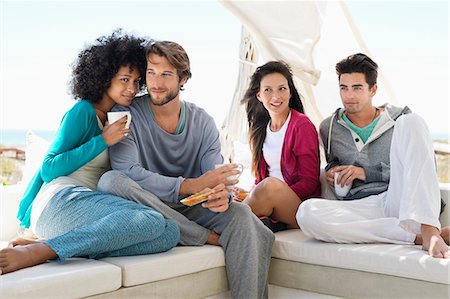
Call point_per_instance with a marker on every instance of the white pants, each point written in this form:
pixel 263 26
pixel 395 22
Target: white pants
pixel 394 216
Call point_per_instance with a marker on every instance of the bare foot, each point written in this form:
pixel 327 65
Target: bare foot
pixel 433 242
pixel 213 238
pixel 22 242
pixel 19 257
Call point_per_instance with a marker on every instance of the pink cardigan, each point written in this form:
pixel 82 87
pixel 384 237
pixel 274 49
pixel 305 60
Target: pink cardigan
pixel 300 164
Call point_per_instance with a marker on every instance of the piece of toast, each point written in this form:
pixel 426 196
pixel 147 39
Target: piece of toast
pixel 195 198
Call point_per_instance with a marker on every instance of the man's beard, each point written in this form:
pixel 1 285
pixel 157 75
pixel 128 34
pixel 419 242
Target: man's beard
pixel 165 100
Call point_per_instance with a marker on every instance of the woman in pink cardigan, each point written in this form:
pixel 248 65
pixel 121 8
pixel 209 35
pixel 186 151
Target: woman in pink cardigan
pixel 284 145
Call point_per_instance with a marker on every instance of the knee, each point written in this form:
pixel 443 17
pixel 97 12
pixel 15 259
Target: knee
pixel 240 210
pixel 249 225
pixel 411 122
pixel 305 215
pixel 268 187
pixel 109 181
pixel 272 184
pixel 172 233
pixel 240 214
pixel 411 119
pixel 149 219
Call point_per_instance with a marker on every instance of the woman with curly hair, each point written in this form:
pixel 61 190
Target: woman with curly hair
pixel 284 145
pixel 61 204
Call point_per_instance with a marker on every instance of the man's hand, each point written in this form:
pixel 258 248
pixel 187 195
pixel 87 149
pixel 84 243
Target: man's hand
pixel 218 200
pixel 210 179
pixel 348 173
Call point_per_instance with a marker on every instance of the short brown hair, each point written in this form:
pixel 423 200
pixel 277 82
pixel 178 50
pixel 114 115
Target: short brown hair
pixel 174 53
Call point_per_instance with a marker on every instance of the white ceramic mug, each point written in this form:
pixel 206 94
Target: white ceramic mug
pixel 116 115
pixel 232 177
pixel 340 191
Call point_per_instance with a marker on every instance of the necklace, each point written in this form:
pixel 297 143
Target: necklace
pixel 375 115
pixel 363 124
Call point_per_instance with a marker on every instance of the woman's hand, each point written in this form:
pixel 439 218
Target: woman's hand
pixel 239 194
pixel 115 132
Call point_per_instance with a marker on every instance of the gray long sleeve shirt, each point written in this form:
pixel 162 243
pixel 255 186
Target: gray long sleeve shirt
pixel 346 148
pixel 159 161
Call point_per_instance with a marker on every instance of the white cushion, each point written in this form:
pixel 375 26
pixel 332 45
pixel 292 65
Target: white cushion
pixel 75 278
pixel 9 203
pixel 397 260
pixel 178 261
pixel 36 148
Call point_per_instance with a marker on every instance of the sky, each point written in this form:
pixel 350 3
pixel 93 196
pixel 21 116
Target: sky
pixel 41 39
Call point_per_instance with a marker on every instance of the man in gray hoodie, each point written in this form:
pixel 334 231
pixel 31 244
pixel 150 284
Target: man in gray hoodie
pixel 384 158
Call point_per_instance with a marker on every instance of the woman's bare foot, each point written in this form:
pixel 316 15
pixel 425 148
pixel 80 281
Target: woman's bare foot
pixel 19 257
pixel 22 242
pixel 433 242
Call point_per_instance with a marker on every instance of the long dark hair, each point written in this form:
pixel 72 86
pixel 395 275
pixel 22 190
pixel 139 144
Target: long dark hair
pixel 258 117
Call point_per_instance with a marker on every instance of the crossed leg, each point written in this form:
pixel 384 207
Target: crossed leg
pixel 275 199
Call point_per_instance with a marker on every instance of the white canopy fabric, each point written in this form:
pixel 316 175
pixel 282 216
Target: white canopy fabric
pixel 311 36
pixel 234 127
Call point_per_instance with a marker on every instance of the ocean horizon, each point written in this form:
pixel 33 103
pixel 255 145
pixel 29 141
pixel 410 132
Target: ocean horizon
pixel 17 138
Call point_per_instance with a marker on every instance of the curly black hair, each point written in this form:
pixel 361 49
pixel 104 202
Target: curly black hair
pixel 99 63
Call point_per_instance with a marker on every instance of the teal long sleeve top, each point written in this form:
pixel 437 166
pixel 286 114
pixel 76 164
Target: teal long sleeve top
pixel 77 142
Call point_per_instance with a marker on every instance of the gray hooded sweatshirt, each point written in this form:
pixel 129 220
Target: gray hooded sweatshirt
pixel 344 147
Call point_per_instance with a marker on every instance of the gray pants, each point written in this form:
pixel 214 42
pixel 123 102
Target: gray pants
pixel 246 241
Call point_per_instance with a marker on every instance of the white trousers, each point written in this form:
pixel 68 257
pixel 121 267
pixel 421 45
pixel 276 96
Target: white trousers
pixel 394 216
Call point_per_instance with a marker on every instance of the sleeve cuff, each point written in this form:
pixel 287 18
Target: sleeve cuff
pixel 373 174
pixel 331 165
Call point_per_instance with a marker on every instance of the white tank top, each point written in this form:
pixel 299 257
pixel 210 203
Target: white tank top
pixel 272 147
pixel 86 176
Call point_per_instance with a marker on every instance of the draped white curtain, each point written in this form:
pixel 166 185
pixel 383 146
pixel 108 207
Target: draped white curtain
pixel 311 36
pixel 235 125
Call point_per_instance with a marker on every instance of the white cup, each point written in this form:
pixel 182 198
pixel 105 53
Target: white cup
pixel 340 191
pixel 115 116
pixel 232 177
